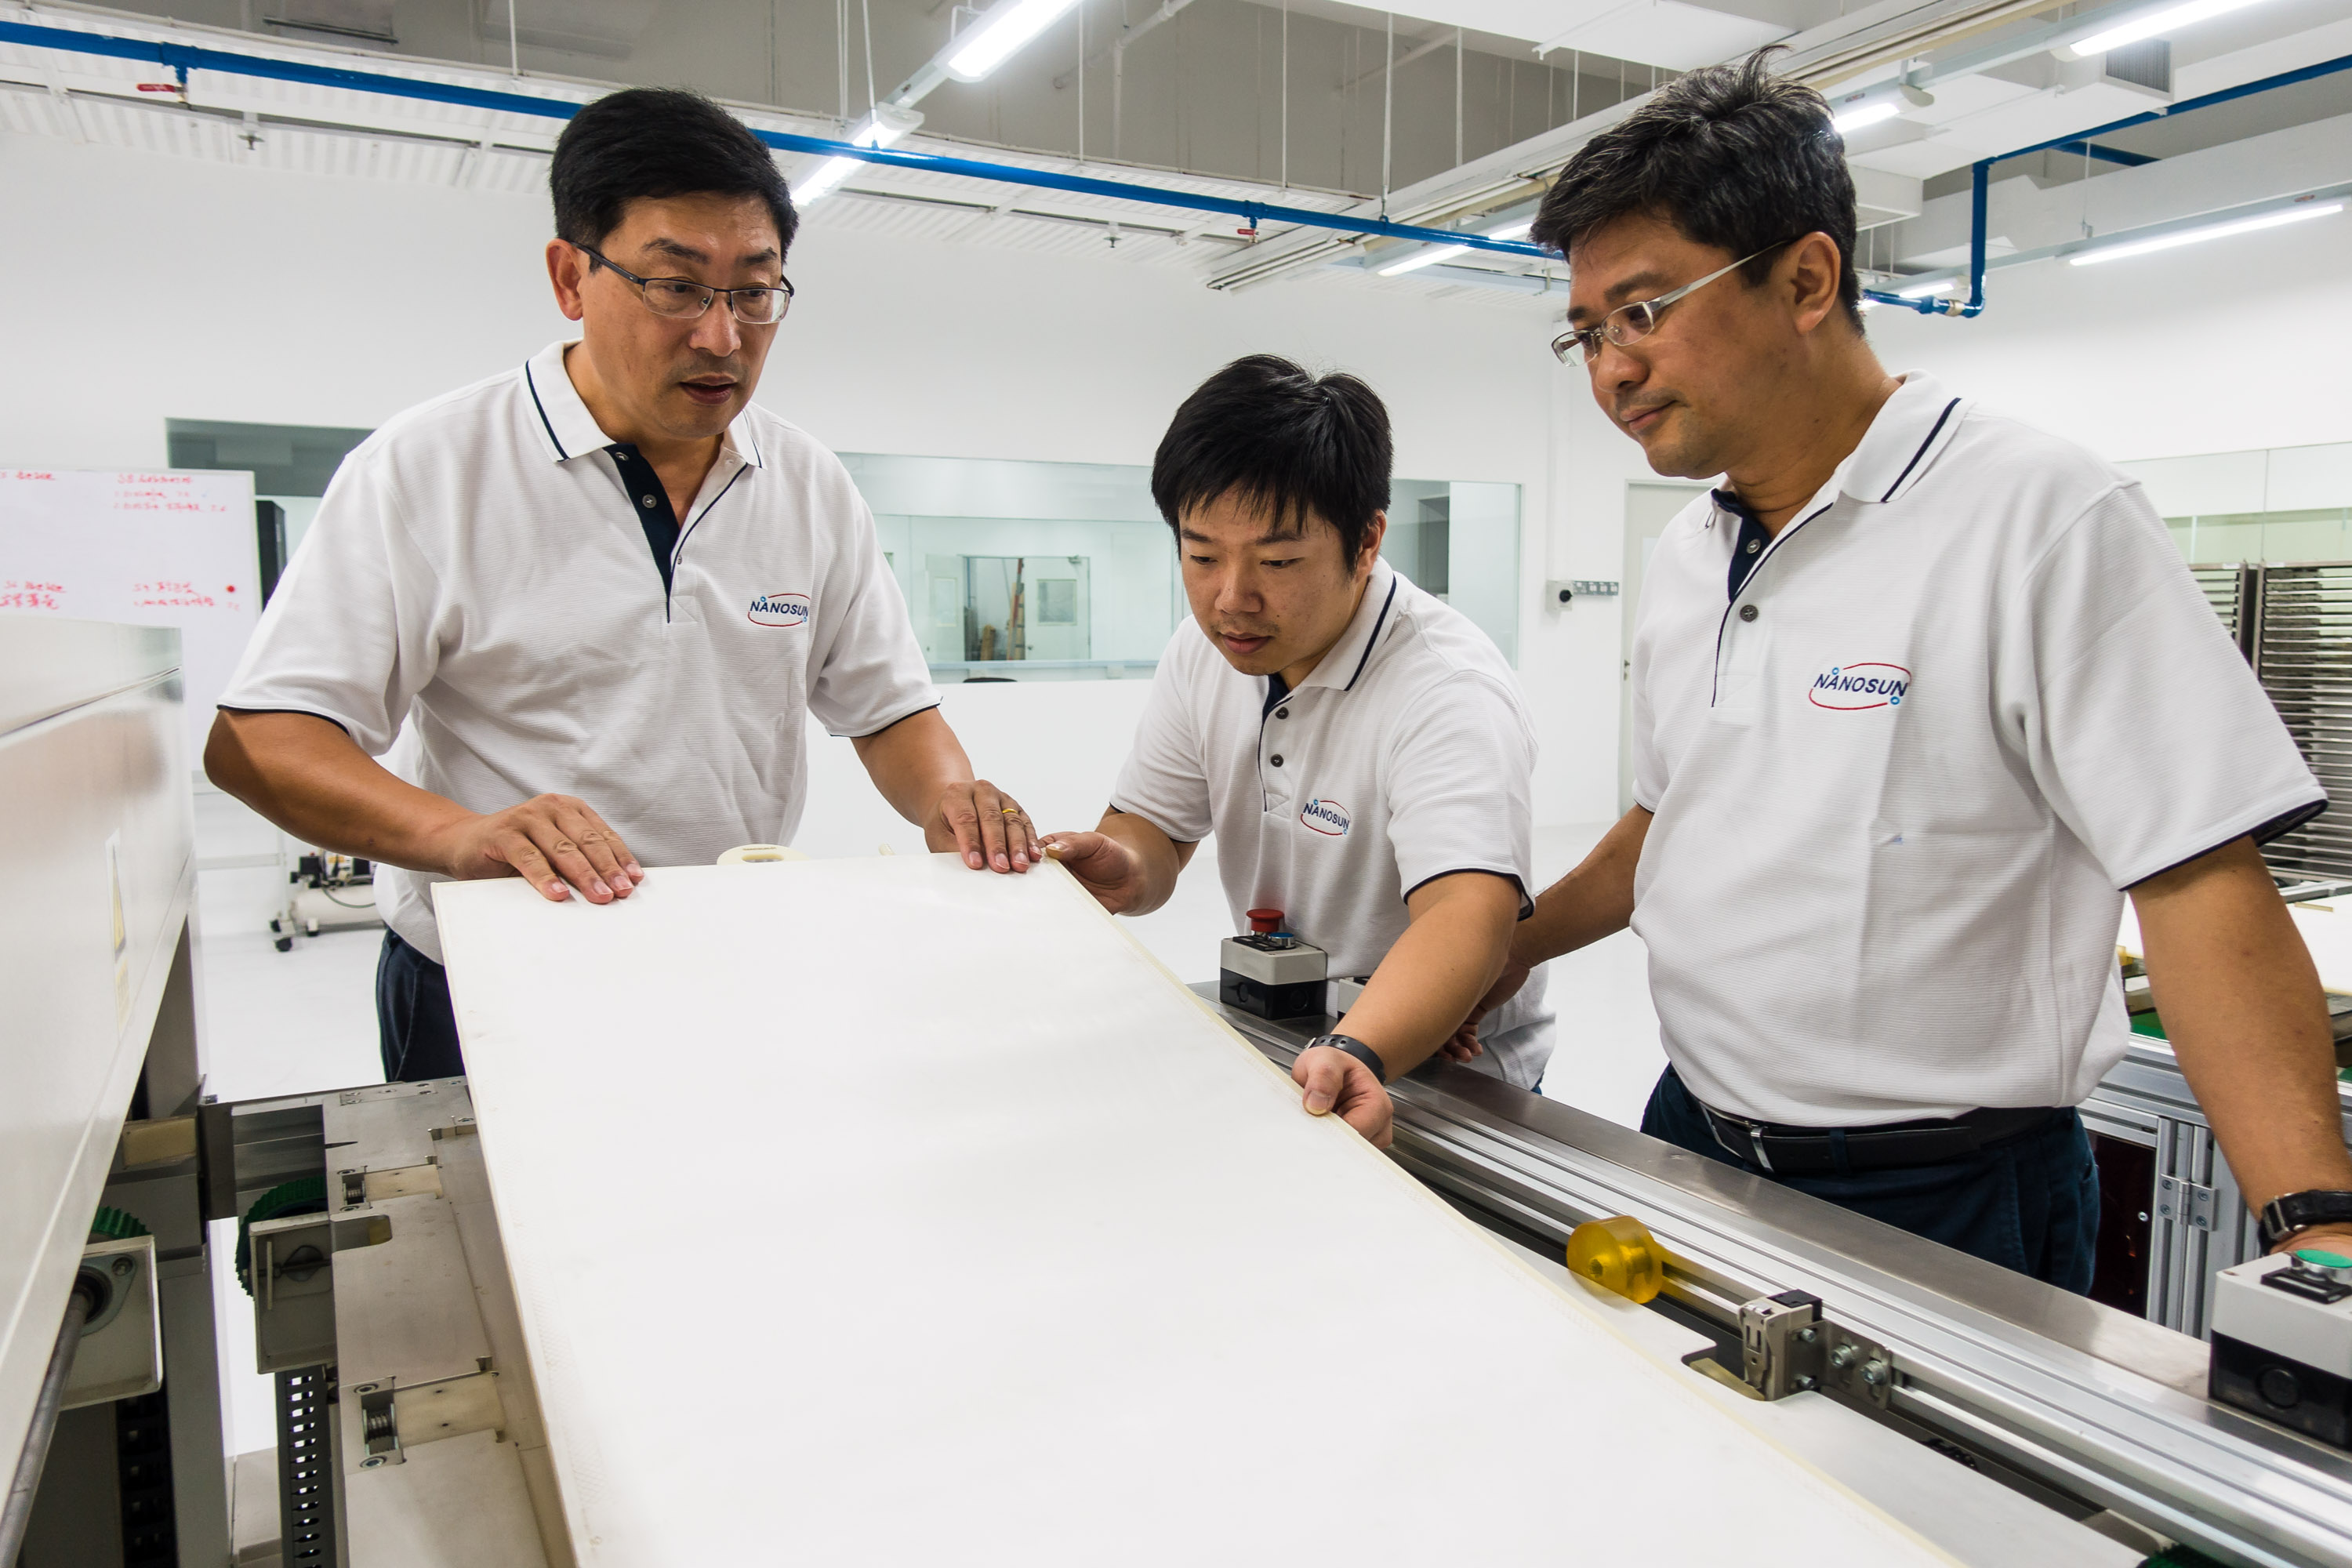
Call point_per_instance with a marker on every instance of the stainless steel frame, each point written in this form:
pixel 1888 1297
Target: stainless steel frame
pixel 2090 1403
pixel 2199 1224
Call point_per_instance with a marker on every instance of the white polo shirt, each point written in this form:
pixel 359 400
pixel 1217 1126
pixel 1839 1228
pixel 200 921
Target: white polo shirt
pixel 479 569
pixel 1967 696
pixel 1405 756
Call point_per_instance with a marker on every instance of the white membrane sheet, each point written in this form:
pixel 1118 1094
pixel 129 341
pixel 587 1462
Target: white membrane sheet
pixel 885 1212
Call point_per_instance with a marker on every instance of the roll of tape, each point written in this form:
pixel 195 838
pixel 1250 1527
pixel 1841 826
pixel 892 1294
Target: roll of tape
pixel 755 854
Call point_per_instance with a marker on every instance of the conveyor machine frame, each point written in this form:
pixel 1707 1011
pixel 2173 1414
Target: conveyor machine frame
pixel 2082 1407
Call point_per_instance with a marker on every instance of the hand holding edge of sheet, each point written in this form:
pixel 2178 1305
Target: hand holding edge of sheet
pixel 1021 1282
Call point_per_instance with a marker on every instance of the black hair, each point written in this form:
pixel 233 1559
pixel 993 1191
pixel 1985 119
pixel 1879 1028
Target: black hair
pixel 656 141
pixel 1300 446
pixel 1731 155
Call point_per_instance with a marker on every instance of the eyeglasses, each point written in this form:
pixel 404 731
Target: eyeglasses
pixel 1629 324
pixel 684 300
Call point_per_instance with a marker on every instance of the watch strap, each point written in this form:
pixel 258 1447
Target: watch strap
pixel 1364 1054
pixel 2292 1212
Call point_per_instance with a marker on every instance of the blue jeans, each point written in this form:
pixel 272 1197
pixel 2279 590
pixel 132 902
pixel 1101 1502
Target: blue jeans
pixel 415 1029
pixel 2030 1204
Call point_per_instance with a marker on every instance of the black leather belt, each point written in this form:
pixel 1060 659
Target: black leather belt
pixel 1814 1151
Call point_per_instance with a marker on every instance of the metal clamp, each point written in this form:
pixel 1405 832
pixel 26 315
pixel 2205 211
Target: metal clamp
pixel 1788 1347
pixel 395 1419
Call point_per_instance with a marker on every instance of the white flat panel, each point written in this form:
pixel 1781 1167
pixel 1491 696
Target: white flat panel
pixel 881 1212
pixel 142 547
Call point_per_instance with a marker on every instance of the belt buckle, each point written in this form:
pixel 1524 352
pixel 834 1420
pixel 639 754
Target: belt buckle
pixel 1755 1138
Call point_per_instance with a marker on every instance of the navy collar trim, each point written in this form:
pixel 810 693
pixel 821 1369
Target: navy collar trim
pixel 1373 641
pixel 1934 431
pixel 531 382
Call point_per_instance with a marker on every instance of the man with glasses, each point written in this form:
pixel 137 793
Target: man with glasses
pixel 1919 695
pixel 594 598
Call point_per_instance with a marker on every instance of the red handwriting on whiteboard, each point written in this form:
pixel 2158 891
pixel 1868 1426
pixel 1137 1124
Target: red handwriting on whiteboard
pixel 21 595
pixel 29 474
pixel 170 594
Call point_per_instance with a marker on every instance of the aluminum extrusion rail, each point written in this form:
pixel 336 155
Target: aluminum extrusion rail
pixel 2101 1405
pixel 182 59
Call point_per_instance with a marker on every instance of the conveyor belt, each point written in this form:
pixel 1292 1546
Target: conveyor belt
pixel 2091 1402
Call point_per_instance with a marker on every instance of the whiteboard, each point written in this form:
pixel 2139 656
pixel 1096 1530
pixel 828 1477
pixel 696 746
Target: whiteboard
pixel 144 547
pixel 881 1212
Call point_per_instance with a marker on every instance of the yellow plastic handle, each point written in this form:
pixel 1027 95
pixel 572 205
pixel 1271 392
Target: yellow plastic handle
pixel 1619 1255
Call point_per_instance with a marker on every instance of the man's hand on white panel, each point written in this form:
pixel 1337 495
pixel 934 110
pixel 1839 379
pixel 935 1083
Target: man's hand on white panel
pixel 986 826
pixel 1332 1081
pixel 1109 869
pixel 555 842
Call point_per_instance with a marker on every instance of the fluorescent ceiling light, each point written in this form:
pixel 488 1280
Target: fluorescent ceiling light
pixel 1854 119
pixel 2211 231
pixel 2149 23
pixel 883 127
pixel 1436 253
pixel 1925 290
pixel 1421 259
pixel 999 35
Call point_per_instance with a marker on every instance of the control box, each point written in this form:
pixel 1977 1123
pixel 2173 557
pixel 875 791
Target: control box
pixel 1271 972
pixel 1345 989
pixel 2282 1341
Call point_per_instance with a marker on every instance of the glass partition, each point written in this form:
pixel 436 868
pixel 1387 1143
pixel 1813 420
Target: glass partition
pixel 1033 570
pixel 2281 503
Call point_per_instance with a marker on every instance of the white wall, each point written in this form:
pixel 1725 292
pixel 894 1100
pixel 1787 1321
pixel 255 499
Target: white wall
pixel 2216 347
pixel 295 298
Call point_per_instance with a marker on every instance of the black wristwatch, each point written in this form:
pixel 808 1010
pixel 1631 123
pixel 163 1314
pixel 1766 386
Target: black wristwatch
pixel 2285 1215
pixel 1371 1059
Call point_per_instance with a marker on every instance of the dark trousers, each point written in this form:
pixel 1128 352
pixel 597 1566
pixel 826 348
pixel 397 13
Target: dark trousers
pixel 415 1026
pixel 2031 1203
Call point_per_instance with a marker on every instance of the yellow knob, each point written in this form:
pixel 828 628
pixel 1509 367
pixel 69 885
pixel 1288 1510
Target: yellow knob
pixel 1618 1254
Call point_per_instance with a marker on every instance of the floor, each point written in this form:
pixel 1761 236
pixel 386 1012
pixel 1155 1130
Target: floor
pixel 303 1021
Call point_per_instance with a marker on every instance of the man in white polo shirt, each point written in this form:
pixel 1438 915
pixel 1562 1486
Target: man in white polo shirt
pixel 600 591
pixel 1359 748
pixel 1919 695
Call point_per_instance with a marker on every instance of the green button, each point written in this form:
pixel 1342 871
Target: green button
pixel 2320 1259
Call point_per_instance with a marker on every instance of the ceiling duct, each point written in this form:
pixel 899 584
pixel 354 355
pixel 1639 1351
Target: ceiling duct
pixel 601 29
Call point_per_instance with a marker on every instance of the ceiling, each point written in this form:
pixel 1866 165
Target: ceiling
pixel 1295 102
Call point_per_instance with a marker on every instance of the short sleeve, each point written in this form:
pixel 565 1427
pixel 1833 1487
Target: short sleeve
pixel 1165 779
pixel 1459 766
pixel 873 673
pixel 1650 772
pixel 2140 720
pixel 349 633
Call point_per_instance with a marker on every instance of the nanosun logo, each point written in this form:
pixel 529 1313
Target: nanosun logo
pixel 1326 816
pixel 1854 687
pixel 780 610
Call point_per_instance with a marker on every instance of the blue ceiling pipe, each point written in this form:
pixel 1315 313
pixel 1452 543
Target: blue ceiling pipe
pixel 182 59
pixel 1980 175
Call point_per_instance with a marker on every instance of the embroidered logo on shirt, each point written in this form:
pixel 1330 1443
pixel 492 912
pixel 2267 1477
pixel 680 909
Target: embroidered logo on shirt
pixel 780 610
pixel 1853 687
pixel 1326 816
